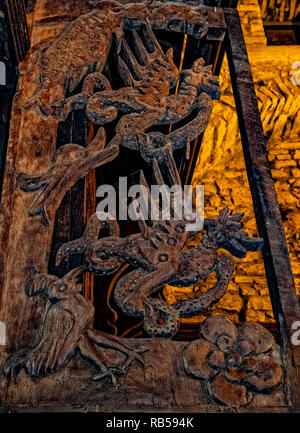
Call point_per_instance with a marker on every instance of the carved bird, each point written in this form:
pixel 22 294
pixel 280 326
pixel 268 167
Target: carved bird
pixel 65 329
pixel 70 163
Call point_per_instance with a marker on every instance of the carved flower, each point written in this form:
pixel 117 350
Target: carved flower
pixel 234 361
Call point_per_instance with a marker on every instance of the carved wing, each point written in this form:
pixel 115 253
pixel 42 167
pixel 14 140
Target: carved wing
pixel 66 318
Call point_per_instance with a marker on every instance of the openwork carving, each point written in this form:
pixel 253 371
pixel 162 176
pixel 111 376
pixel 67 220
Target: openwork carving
pixel 149 75
pixel 87 40
pixel 235 362
pixel 158 258
pixel 158 253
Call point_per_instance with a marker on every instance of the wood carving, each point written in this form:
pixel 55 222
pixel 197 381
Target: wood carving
pixel 67 317
pixel 235 362
pixel 147 101
pixel 158 259
pixel 149 75
pixel 87 41
pixel 156 254
pixel 70 163
pixel 69 75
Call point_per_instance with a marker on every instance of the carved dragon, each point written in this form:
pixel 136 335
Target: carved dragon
pixel 86 42
pixel 146 101
pixel 157 256
pixel 148 74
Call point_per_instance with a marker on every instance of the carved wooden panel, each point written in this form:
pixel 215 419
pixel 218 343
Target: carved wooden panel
pixel 50 346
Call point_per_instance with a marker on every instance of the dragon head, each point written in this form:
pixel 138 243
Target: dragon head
pixel 226 231
pixel 201 77
pixel 161 66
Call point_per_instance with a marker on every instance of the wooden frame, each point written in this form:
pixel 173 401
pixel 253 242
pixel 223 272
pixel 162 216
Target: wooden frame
pixel 268 218
pixel 16 13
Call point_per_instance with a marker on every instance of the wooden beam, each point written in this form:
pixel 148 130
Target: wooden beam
pixel 6 95
pixel 217 26
pixel 7 87
pixel 275 252
pixel 16 14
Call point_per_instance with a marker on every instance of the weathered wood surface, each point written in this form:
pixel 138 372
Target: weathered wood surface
pixel 6 96
pixel 161 386
pixel 31 149
pixel 32 146
pixel 7 86
pixel 18 27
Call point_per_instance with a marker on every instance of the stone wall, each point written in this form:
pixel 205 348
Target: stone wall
pixel 279 10
pixel 221 167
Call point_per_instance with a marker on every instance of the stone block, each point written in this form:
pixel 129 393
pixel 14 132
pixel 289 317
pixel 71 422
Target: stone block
pixel 289 146
pixel 243 279
pixel 259 303
pixel 283 157
pixel 231 302
pixel 271 157
pixel 280 174
pixel 296 172
pixel 253 269
pixel 248 290
pixel 285 163
pixel 287 199
pixel 255 316
pixel 297 154
pixel 260 281
pixel 264 292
